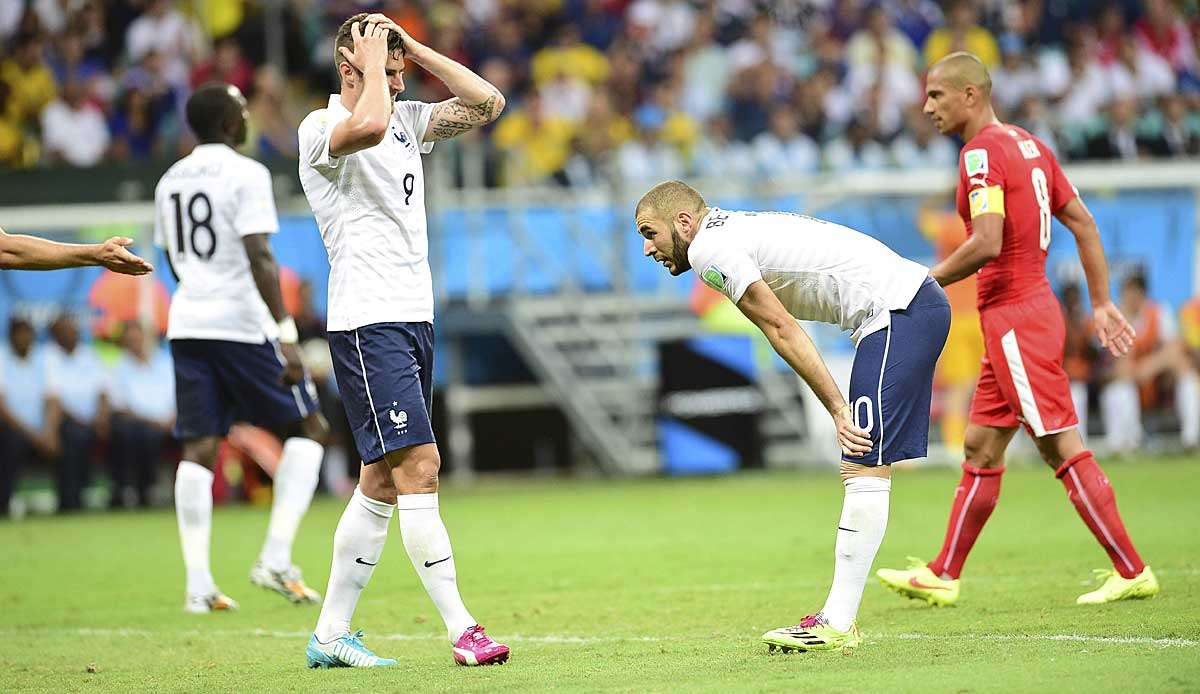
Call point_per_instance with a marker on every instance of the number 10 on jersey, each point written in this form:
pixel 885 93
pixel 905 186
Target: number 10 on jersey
pixel 199 224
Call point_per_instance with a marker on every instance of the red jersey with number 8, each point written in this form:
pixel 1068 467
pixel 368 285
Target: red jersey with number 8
pixel 1005 170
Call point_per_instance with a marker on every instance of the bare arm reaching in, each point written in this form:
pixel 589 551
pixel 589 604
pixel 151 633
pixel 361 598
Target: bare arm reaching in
pixel 19 252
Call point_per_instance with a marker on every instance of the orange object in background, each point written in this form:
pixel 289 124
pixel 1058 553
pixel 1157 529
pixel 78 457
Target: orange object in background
pixel 118 298
pixel 245 450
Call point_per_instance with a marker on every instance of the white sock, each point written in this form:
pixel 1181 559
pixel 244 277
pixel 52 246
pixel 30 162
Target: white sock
pixel 295 482
pixel 1079 397
pixel 1122 409
pixel 1187 404
pixel 193 510
pixel 860 532
pixel 428 547
pixel 357 547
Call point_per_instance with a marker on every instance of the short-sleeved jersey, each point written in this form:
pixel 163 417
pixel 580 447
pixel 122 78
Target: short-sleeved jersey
pixel 203 206
pixel 370 208
pixel 819 270
pixel 1005 170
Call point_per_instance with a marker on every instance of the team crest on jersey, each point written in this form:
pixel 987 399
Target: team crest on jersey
pixel 975 161
pixel 1029 149
pixel 715 278
pixel 402 138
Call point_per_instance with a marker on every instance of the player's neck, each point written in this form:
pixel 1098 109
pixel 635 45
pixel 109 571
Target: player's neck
pixel 984 119
pixel 349 98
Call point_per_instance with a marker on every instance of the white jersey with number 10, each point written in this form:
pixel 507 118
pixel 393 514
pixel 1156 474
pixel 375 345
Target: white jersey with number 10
pixel 204 205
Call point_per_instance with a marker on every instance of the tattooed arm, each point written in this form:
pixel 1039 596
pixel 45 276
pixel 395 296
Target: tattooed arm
pixel 476 102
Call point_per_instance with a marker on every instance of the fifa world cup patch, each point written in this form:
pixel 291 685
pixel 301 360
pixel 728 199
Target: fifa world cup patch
pixel 715 278
pixel 976 162
pixel 989 200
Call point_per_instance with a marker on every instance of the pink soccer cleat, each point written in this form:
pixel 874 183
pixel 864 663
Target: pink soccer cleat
pixel 474 647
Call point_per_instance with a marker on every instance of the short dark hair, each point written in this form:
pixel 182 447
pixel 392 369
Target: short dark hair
pixel 19 322
pixel 209 109
pixel 345 39
pixel 1136 279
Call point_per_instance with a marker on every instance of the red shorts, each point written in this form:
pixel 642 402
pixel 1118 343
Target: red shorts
pixel 1023 380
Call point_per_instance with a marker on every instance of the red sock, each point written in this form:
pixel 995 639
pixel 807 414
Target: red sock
pixel 974 500
pixel 1089 490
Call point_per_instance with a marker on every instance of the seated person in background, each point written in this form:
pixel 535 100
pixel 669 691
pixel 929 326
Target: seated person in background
pixel 1081 352
pixel 24 436
pixel 1159 360
pixel 142 394
pixel 77 407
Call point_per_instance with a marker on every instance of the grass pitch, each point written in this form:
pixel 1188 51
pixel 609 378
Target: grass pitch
pixel 651 585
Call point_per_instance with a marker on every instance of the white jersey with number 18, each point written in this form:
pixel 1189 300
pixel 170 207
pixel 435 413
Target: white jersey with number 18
pixel 203 206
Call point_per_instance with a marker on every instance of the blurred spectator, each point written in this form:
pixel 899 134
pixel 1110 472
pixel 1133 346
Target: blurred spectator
pixel 922 147
pixel 1162 31
pixel 77 388
pixel 1119 140
pixel 12 141
pixel 783 150
pixel 1158 363
pixel 600 21
pixel 917 18
pixel 25 437
pixel 1034 116
pixel 271 130
pixel 883 92
pixel 855 150
pixel 667 24
pixel 1088 88
pixel 142 393
pixel 1015 77
pixel 73 129
pixel 879 42
pixel 30 82
pixel 164 30
pixel 706 72
pixel 646 158
pixel 602 132
pixel 535 147
pixel 1172 132
pixel 1137 73
pixel 71 62
pixel 718 155
pixel 1080 352
pixel 752 94
pixel 961 33
pixel 226 64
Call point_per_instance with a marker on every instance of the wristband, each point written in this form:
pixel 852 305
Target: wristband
pixel 288 334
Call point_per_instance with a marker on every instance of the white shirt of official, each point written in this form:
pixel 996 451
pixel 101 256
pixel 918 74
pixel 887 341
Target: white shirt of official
pixel 204 204
pixel 819 270
pixel 77 379
pixel 370 208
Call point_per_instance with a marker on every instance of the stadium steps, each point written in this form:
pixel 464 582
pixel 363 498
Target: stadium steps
pixel 597 353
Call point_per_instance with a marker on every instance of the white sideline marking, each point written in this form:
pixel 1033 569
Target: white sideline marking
pixel 586 640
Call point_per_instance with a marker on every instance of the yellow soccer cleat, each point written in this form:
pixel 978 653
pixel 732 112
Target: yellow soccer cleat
pixel 215 601
pixel 919 583
pixel 813 633
pixel 1114 588
pixel 289 583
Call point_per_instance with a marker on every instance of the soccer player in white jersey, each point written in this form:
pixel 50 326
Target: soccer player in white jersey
pixel 233 343
pixel 779 268
pixel 360 165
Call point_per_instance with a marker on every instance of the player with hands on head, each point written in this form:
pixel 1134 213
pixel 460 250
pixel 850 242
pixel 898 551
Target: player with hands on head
pixel 1010 188
pixel 779 268
pixel 361 169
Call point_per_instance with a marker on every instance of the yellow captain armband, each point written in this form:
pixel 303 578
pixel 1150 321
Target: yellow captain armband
pixel 989 200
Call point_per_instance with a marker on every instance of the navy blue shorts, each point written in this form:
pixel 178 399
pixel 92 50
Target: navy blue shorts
pixel 218 382
pixel 385 374
pixel 891 383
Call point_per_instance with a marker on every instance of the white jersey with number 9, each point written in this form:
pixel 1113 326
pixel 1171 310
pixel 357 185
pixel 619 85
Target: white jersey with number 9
pixel 203 206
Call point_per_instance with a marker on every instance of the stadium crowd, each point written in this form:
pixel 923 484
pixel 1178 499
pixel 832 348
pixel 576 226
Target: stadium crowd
pixel 636 89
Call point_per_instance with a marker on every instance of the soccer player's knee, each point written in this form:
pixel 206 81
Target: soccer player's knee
pixel 202 451
pixel 850 470
pixel 376 484
pixel 419 472
pixel 980 455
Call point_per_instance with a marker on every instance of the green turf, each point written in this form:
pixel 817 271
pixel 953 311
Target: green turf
pixel 653 585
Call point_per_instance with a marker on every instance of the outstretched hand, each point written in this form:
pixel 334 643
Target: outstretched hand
pixel 114 255
pixel 855 442
pixel 1115 333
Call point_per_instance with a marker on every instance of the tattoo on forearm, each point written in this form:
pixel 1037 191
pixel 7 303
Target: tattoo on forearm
pixel 453 118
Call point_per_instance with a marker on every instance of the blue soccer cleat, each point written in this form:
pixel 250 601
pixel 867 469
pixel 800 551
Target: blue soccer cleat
pixel 344 651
